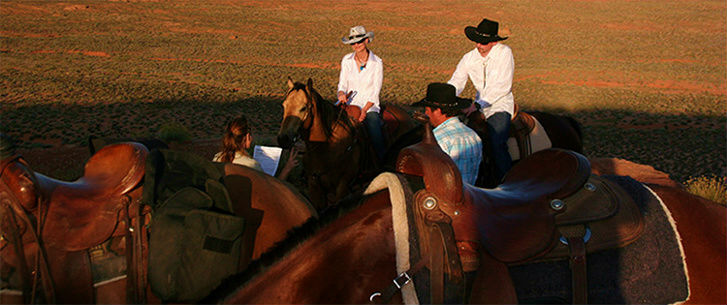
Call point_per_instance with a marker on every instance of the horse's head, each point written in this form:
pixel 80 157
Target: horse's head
pixel 303 115
pixel 297 113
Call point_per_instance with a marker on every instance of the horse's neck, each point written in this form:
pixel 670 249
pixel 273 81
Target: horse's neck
pixel 356 249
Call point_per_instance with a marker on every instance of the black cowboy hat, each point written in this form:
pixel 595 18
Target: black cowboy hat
pixel 443 95
pixel 484 33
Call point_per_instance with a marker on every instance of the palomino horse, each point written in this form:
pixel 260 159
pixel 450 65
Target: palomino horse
pixel 52 229
pixel 352 257
pixel 337 154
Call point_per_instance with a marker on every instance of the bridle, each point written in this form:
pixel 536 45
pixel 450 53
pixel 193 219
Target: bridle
pixel 11 209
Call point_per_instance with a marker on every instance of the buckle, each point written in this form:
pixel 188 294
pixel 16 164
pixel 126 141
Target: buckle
pixel 403 278
pixel 586 237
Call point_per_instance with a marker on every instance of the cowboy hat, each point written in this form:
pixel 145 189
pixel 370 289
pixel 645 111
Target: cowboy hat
pixel 357 34
pixel 484 33
pixel 443 95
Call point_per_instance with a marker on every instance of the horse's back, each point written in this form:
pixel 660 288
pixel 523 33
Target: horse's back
pixel 701 226
pixel 563 131
pixel 283 208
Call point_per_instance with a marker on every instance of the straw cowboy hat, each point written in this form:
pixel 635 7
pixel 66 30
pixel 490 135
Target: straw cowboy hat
pixel 357 34
pixel 443 95
pixel 485 32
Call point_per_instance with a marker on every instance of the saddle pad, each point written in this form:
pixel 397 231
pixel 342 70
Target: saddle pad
pixel 399 195
pixel 650 270
pixel 539 140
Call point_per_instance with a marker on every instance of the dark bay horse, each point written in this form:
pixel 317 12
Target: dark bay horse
pixel 51 230
pixel 337 153
pixel 531 131
pixel 350 258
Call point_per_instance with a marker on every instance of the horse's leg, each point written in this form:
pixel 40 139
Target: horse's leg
pixel 486 176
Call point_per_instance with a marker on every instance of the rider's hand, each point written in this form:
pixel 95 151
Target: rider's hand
pixel 341 99
pixel 290 164
pixel 362 116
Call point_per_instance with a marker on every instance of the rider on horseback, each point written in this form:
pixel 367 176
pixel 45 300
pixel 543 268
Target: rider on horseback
pixel 490 67
pixel 362 73
pixel 460 142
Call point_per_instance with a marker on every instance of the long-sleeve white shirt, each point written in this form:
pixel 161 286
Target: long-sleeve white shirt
pixel 494 94
pixel 366 82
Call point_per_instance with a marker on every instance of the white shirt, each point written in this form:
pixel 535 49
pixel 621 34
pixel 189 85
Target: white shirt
pixel 366 82
pixel 494 95
pixel 240 159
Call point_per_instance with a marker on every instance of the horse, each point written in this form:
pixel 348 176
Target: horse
pixel 351 256
pixel 337 153
pixel 531 131
pixel 55 232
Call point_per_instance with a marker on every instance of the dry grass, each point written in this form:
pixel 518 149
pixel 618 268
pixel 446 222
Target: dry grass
pixel 712 188
pixel 646 78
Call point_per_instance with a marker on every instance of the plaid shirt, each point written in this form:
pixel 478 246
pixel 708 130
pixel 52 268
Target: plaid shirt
pixel 463 145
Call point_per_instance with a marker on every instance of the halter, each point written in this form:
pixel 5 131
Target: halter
pixel 12 208
pixel 341 117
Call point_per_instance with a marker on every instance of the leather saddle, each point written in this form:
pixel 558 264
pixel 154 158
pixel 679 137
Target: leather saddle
pixel 396 121
pixel 84 213
pixel 545 198
pixel 522 125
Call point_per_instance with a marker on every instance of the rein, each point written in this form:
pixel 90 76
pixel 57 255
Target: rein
pixel 13 210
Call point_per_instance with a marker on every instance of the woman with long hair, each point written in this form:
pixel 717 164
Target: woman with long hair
pixel 237 141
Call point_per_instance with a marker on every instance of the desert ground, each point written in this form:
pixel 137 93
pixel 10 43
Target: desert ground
pixel 647 79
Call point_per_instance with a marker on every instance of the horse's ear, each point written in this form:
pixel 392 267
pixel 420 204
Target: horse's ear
pixel 310 83
pixel 290 83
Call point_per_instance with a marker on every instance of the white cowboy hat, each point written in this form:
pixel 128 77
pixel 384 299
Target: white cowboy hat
pixel 356 34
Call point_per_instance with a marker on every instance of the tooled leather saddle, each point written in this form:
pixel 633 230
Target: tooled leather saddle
pixel 548 207
pixel 66 218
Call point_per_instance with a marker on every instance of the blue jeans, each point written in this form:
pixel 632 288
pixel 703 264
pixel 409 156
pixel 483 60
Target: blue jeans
pixel 498 127
pixel 373 125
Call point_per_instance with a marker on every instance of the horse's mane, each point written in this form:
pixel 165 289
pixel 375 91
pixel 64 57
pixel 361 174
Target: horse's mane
pixel 325 110
pixel 295 237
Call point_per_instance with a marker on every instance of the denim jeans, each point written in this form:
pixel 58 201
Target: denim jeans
pixel 498 127
pixel 374 125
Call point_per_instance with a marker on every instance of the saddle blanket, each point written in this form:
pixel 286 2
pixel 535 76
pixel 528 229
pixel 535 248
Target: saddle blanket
pixel 651 270
pixel 539 140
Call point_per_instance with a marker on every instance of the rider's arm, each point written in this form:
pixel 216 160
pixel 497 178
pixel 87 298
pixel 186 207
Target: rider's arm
pixel 343 81
pixel 460 76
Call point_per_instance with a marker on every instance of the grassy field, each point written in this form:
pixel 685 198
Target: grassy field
pixel 647 79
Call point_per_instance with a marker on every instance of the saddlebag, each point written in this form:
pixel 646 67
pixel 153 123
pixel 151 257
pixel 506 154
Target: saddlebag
pixel 196 239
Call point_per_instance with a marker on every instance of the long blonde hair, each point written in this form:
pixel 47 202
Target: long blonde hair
pixel 233 141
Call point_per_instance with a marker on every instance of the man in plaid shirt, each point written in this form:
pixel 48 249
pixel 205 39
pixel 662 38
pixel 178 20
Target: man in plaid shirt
pixel 460 142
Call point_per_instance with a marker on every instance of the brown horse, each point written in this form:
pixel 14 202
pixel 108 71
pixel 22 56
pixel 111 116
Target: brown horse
pixel 354 256
pixel 530 132
pixel 337 152
pixel 52 230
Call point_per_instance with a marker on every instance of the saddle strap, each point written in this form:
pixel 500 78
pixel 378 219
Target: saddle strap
pixel 577 246
pixel 42 268
pixel 521 131
pixel 396 284
pixel 446 277
pixel 17 243
pixel 135 240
